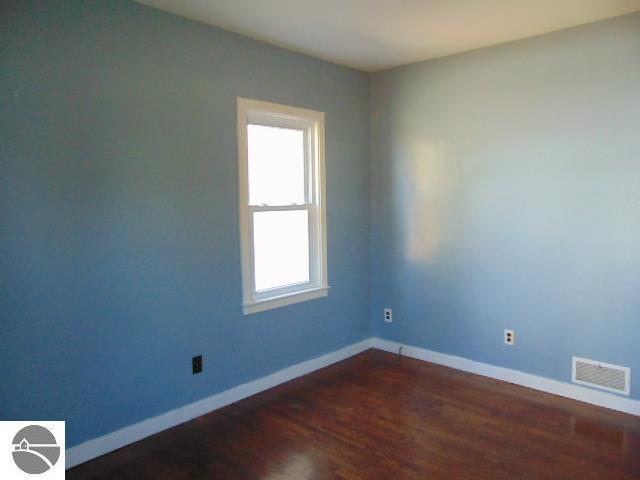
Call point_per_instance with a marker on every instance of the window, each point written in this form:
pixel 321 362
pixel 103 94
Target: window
pixel 282 199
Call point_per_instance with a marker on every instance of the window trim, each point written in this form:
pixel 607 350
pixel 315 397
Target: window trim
pixel 273 114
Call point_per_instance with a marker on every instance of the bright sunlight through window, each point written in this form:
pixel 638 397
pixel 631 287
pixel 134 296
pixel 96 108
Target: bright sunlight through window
pixel 282 190
pixel 276 165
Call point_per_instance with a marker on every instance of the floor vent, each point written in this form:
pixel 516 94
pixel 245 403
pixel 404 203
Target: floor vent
pixel 604 376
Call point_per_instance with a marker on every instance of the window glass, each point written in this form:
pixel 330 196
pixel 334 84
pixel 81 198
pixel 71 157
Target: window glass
pixel 276 165
pixel 281 248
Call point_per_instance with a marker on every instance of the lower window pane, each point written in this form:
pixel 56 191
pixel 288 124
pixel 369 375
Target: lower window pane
pixel 280 248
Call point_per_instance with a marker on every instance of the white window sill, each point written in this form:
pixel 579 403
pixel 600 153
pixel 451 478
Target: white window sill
pixel 282 300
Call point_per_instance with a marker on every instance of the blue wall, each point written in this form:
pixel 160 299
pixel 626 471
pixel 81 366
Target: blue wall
pixel 506 194
pixel 119 238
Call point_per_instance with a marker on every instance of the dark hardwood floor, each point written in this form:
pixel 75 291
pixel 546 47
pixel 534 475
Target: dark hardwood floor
pixel 378 416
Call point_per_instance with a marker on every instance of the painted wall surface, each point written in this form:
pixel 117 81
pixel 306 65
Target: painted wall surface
pixel 506 194
pixel 119 255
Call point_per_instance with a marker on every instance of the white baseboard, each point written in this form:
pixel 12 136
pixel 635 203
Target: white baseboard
pixel 127 435
pixel 112 441
pixel 568 390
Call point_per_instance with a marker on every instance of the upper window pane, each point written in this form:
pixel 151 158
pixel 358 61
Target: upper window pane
pixel 276 165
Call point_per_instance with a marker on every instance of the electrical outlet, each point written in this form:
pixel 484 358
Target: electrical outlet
pixel 388 315
pixel 196 364
pixel 509 337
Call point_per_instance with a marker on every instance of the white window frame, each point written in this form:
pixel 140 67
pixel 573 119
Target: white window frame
pixel 312 123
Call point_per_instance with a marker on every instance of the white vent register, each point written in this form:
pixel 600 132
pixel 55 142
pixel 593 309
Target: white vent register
pixel 604 376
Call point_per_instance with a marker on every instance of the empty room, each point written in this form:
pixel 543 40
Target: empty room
pixel 296 240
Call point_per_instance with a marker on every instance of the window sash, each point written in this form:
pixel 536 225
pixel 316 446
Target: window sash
pixel 313 268
pixel 309 147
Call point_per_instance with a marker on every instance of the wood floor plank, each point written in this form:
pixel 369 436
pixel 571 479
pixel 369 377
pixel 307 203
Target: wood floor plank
pixel 379 416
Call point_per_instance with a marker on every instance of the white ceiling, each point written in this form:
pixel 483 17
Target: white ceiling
pixel 376 34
